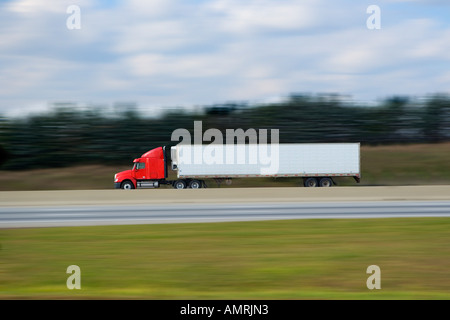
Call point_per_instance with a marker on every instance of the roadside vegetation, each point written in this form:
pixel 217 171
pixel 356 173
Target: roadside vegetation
pixel 72 136
pixel 291 259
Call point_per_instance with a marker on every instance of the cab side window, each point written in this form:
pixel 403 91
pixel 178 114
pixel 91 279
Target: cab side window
pixel 140 165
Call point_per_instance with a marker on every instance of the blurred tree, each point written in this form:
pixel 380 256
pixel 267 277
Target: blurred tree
pixel 436 119
pixel 69 136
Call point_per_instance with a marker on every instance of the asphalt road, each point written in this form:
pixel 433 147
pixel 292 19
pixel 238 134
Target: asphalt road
pixel 222 195
pixel 38 216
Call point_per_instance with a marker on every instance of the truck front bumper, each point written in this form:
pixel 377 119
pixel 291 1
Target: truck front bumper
pixel 116 185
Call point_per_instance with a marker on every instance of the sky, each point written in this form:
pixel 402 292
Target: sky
pixel 162 54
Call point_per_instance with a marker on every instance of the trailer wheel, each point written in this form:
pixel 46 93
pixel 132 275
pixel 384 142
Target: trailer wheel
pixel 180 184
pixel 127 185
pixel 195 184
pixel 311 182
pixel 325 182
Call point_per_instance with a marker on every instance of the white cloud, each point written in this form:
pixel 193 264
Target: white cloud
pixel 190 52
pixel 439 2
pixel 151 36
pixel 250 16
pixel 150 9
pixel 35 7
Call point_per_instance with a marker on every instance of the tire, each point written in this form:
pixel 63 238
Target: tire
pixel 195 184
pixel 180 184
pixel 311 183
pixel 127 185
pixel 325 182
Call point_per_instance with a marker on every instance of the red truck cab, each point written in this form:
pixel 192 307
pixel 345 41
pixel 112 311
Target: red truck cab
pixel 149 171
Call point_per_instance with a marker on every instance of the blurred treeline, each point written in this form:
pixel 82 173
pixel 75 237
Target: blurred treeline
pixel 68 136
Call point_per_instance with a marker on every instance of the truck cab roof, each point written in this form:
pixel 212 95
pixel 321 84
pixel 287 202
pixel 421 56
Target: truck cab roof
pixel 154 153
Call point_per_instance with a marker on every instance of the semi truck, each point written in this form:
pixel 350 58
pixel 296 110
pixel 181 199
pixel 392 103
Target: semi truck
pixel 317 164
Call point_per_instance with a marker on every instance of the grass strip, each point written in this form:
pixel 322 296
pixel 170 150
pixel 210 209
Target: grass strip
pixel 290 259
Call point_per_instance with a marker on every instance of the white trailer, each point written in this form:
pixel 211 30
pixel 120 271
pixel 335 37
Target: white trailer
pixel 316 163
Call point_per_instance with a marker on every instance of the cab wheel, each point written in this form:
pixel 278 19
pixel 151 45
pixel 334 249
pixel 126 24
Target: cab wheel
pixel 127 185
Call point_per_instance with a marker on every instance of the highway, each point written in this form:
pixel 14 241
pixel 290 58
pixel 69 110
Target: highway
pixel 14 217
pixel 113 207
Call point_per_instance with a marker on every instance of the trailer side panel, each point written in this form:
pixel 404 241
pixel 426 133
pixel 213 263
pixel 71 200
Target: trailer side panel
pixel 309 159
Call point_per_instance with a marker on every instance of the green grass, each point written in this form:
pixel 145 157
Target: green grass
pixel 296 259
pixel 406 164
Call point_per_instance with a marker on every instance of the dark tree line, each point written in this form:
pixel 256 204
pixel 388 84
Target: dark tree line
pixel 67 136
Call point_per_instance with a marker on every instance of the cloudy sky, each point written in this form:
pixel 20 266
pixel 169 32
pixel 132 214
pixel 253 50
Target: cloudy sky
pixel 166 53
